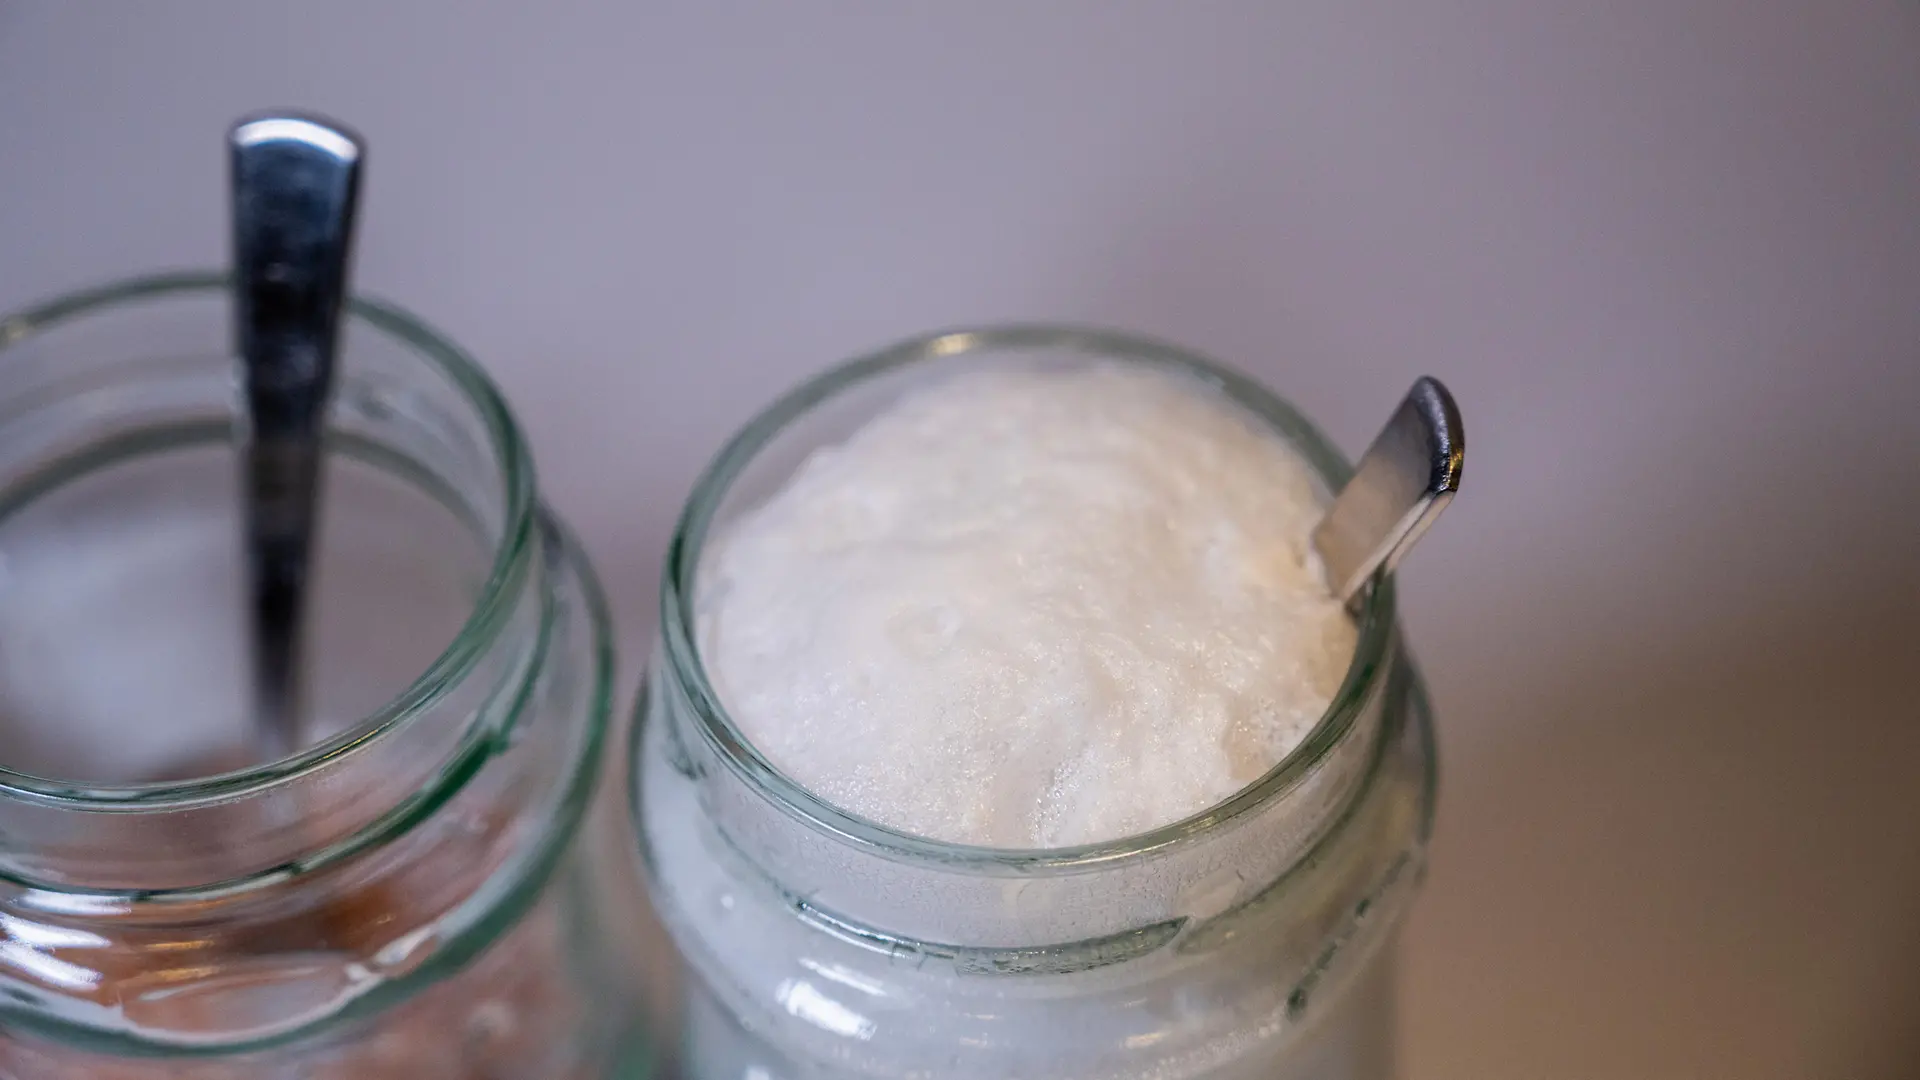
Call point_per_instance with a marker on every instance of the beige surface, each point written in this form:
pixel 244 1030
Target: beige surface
pixel 1667 252
pixel 1704 862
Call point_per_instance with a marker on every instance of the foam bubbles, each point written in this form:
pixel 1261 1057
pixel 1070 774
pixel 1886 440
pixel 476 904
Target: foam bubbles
pixel 1030 609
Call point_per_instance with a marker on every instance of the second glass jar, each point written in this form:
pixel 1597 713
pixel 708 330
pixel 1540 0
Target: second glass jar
pixel 416 894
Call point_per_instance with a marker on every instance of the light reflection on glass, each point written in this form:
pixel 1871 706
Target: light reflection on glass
pixel 1145 1038
pixel 40 936
pixel 951 344
pixel 50 969
pixel 844 977
pixel 804 1001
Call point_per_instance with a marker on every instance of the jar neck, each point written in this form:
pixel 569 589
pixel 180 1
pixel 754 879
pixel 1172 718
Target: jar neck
pixel 95 849
pixel 99 380
pixel 894 891
pixel 862 880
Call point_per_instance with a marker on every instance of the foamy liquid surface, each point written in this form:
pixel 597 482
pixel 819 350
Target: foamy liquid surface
pixel 1031 609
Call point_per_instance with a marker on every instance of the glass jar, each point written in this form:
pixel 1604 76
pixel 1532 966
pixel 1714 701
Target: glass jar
pixel 1252 940
pixel 415 892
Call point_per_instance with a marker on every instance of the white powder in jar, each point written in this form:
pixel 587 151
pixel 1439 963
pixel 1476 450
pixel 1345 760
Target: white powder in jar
pixel 1030 609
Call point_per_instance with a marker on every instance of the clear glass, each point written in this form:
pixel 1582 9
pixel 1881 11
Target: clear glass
pixel 1252 940
pixel 414 893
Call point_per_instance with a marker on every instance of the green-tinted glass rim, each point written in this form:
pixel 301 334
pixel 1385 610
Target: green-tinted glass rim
pixel 497 911
pixel 492 608
pixel 1371 652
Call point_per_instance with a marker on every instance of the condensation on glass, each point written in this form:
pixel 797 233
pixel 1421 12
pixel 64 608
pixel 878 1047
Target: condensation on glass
pixel 1253 940
pixel 420 893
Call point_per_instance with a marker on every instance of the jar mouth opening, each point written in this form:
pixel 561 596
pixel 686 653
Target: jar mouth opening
pixel 1374 615
pixel 492 606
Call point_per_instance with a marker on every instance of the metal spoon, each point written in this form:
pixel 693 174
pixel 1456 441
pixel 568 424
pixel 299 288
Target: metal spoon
pixel 295 182
pixel 1403 481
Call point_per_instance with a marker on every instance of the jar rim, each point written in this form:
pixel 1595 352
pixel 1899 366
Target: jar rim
pixel 1372 649
pixel 493 605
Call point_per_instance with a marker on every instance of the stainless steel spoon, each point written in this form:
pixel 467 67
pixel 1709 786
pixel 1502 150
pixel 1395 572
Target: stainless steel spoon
pixel 295 184
pixel 1401 484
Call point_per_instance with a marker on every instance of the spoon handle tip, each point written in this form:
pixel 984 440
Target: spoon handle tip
pixel 1399 487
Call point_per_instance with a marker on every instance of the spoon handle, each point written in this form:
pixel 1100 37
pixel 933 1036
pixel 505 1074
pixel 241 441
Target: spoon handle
pixel 1401 484
pixel 295 185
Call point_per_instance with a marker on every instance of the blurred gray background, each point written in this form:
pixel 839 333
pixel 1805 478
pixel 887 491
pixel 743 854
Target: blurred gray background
pixel 1666 252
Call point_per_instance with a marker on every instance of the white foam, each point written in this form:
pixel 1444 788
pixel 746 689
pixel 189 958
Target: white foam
pixel 1030 609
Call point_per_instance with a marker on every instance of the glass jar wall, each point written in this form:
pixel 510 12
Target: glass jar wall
pixel 1253 940
pixel 411 894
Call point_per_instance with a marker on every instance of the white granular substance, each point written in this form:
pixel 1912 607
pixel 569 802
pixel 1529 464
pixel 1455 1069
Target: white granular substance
pixel 1031 609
